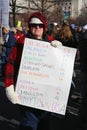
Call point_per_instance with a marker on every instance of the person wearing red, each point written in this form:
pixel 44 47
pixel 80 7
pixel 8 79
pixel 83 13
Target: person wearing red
pixel 19 35
pixel 30 117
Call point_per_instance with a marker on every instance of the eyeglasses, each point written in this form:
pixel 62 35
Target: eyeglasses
pixel 35 25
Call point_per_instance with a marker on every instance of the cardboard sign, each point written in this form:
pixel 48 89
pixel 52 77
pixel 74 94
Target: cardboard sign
pixel 45 76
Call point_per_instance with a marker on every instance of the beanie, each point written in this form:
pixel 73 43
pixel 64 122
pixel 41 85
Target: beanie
pixel 72 26
pixel 39 16
pixel 36 21
pixel 19 28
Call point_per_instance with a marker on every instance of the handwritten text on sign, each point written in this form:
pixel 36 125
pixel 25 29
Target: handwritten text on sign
pixel 45 76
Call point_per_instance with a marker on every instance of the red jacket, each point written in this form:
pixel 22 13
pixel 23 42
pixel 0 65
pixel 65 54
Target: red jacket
pixel 13 64
pixel 19 37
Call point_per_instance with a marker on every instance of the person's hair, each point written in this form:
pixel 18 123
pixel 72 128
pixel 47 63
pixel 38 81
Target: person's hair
pixel 65 33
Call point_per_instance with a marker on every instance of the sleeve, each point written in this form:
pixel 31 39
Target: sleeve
pixel 11 40
pixel 9 71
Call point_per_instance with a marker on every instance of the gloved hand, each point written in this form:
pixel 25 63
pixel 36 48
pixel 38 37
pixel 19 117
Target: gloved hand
pixel 11 94
pixel 56 43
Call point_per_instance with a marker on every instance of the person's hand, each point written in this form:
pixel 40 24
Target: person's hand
pixel 56 43
pixel 11 94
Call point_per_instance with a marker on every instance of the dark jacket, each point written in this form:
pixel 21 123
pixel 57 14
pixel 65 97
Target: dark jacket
pixel 83 51
pixel 9 42
pixel 72 42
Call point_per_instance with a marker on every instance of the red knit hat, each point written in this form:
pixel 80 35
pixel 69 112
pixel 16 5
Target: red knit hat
pixel 39 16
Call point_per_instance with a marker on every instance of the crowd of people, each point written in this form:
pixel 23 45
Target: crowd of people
pixel 12 49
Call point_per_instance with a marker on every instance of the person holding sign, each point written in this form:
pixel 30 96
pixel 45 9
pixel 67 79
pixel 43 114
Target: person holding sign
pixel 30 117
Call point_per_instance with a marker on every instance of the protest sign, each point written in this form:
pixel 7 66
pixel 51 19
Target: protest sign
pixel 45 76
pixel 4 12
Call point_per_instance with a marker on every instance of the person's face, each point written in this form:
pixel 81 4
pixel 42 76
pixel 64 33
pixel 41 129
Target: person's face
pixel 37 30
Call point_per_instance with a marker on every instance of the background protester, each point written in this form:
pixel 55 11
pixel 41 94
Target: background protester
pixel 19 36
pixel 9 42
pixel 83 79
pixel 66 36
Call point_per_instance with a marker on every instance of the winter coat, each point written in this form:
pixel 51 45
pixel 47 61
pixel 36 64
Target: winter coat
pixel 83 51
pixel 9 42
pixel 13 64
